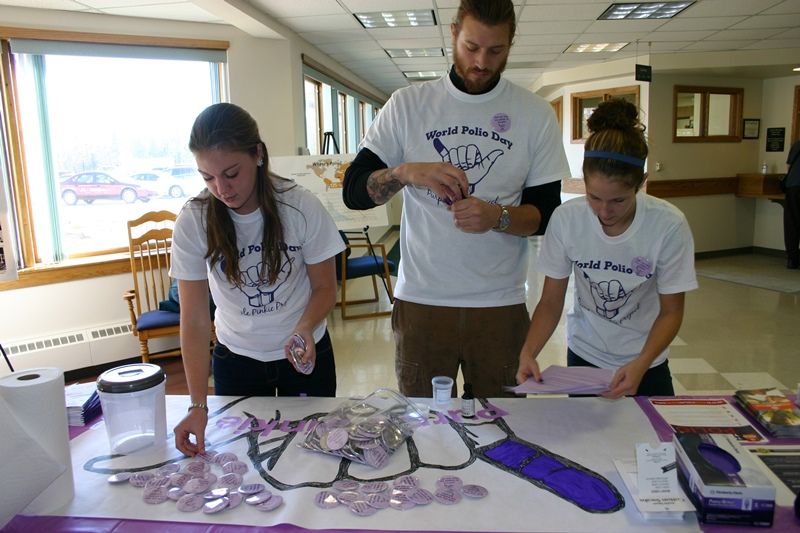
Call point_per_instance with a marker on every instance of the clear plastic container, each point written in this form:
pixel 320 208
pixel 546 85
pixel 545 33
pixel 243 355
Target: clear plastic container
pixel 134 406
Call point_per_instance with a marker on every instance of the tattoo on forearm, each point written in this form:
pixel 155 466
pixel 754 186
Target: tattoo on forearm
pixel 382 185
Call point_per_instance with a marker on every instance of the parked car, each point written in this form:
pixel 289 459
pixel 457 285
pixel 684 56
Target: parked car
pixel 161 182
pixel 90 186
pixel 182 180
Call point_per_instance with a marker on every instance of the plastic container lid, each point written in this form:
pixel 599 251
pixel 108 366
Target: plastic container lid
pixel 130 378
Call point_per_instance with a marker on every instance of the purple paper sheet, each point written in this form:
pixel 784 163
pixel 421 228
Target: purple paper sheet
pixel 568 380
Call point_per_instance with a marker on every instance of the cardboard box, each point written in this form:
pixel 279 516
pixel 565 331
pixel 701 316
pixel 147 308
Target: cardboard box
pixel 723 481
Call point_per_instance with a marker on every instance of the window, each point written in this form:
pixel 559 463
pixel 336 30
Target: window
pixel 344 127
pixel 557 106
pixel 584 104
pixel 313 97
pixel 102 138
pixel 366 114
pixel 707 114
pixel 335 110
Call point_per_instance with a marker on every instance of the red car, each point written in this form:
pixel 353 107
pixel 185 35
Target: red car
pixel 90 186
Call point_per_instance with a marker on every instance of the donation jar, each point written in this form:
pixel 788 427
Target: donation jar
pixel 134 406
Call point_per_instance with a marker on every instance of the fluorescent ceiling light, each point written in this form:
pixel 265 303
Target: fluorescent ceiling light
pixel 596 47
pixel 796 69
pixel 644 10
pixel 396 19
pixel 422 75
pixel 414 52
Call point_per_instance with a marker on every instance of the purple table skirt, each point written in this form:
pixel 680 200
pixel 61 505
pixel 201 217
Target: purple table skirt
pixel 784 521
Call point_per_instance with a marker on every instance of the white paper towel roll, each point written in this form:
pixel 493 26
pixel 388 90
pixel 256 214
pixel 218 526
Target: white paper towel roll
pixel 36 399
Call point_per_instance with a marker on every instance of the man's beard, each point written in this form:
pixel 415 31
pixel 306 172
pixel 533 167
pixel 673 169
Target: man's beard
pixel 476 87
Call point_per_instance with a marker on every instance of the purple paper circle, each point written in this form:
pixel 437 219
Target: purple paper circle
pixel 501 122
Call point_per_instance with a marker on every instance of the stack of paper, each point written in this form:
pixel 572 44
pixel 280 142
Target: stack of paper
pixel 83 403
pixel 568 380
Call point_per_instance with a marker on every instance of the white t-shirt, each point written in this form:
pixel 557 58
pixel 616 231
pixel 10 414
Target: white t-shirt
pixel 618 279
pixel 509 139
pixel 256 319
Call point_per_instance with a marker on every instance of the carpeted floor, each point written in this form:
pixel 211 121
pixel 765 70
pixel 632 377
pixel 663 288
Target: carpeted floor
pixel 756 270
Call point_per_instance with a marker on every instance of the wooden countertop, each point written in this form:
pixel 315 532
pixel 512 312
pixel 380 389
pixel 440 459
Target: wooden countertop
pixel 757 185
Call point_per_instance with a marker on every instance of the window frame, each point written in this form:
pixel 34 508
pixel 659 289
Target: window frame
pixel 318 106
pixel 576 134
pixel 81 266
pixel 735 113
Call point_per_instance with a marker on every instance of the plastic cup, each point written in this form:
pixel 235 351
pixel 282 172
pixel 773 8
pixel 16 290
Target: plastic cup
pixel 442 389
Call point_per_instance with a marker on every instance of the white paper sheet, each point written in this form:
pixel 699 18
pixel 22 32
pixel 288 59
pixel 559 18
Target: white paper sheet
pixel 568 380
pixel 588 431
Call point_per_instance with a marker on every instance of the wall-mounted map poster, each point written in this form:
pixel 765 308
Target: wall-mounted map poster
pixel 323 175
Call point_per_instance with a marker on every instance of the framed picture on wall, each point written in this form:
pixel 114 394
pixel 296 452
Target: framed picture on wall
pixel 751 128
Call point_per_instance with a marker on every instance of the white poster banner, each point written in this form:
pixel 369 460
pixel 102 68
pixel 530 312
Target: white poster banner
pixel 323 175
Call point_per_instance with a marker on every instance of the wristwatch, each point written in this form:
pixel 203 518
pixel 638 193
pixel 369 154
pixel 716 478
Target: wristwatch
pixel 504 220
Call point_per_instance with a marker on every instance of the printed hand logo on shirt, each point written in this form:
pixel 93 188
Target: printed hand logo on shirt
pixel 468 158
pixel 258 291
pixel 608 297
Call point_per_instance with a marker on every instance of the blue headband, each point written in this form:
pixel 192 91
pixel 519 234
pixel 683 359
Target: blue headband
pixel 635 161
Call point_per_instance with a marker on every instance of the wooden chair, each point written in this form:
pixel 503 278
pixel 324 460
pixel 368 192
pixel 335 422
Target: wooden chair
pixel 150 242
pixel 369 264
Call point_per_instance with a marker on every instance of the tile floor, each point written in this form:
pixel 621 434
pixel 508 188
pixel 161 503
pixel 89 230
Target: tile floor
pixel 734 335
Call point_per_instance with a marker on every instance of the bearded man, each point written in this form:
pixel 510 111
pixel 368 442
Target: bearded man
pixel 479 162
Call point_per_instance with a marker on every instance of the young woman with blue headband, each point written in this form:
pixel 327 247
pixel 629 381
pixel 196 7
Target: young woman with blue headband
pixel 632 256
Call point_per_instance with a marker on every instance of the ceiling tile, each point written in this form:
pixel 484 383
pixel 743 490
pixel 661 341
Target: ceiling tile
pixel 322 23
pixel 719 45
pixel 712 8
pixel 537 13
pixel 770 21
pixel 700 23
pixel 381 34
pixel 744 35
pixel 180 11
pixel 774 44
pixel 787 6
pixel 298 8
pixel 320 37
pixel 371 6
pixel 429 42
pixel 526 40
pixel 421 63
pixel 677 35
pixel 63 5
pixel 547 28
pixel 107 4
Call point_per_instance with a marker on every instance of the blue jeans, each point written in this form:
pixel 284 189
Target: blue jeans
pixel 239 375
pixel 657 381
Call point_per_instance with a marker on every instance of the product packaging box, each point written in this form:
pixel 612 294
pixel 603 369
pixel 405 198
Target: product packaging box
pixel 723 481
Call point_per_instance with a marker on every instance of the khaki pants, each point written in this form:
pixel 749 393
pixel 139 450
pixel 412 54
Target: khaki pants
pixel 437 341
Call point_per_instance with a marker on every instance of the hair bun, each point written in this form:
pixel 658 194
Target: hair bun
pixel 615 114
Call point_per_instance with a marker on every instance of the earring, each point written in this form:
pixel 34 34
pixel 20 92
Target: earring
pixel 260 162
